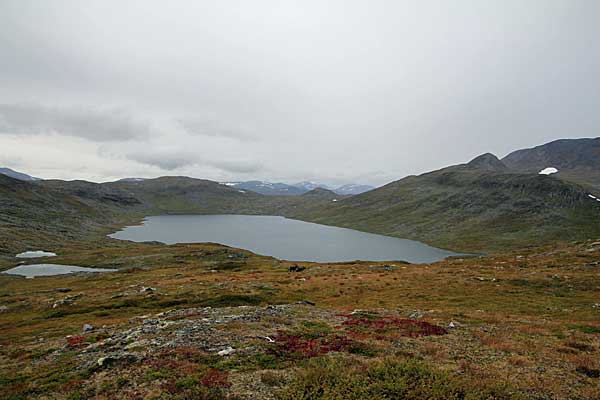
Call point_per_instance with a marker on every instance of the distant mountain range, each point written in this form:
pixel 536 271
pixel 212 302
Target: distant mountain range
pixel 267 188
pixel 352 189
pixel 131 180
pixel 296 189
pixel 262 187
pixel 17 175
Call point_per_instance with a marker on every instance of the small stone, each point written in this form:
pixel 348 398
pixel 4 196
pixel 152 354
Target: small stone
pixel 226 352
pixel 102 360
pixel 88 327
pixel 451 325
pixel 306 302
pixel 416 314
pixel 3 308
pixel 133 345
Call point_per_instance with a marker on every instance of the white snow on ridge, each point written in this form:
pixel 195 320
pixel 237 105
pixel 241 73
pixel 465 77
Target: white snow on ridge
pixel 548 171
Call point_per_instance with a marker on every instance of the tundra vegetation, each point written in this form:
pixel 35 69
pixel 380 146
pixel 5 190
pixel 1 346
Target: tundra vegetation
pixel 213 322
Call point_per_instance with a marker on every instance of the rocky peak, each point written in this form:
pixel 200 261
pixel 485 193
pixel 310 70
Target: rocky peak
pixel 487 162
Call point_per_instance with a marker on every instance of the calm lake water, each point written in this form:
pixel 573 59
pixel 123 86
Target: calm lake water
pixel 283 238
pixel 33 270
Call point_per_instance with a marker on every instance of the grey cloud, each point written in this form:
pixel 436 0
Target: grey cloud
pixel 207 127
pixel 167 161
pixel 239 166
pixel 93 124
pixel 170 160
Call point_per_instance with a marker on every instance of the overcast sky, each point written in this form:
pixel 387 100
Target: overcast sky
pixel 336 91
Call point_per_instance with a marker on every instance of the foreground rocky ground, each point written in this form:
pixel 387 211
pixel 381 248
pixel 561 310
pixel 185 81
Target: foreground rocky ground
pixel 207 321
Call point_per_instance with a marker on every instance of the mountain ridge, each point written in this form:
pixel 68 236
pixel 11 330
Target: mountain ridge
pixel 477 206
pixel 577 160
pixel 17 175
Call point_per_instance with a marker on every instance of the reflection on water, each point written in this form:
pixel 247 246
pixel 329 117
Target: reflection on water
pixel 31 271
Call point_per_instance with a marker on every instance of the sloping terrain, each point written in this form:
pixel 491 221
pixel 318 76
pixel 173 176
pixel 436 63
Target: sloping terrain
pixel 577 160
pixel 17 175
pixel 33 215
pixel 201 321
pixel 479 206
pixel 55 212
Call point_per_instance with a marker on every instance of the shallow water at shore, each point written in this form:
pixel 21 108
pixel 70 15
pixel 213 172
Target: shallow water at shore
pixel 34 270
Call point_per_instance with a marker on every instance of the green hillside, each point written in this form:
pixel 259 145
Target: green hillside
pixel 481 206
pixel 471 208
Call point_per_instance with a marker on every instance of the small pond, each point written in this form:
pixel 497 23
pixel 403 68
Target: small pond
pixel 33 270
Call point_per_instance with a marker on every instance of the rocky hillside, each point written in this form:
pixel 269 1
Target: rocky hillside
pixel 479 206
pixel 34 214
pixel 577 160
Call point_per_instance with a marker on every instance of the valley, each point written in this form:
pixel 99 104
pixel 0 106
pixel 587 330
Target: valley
pixel 515 319
pixel 299 200
pixel 479 207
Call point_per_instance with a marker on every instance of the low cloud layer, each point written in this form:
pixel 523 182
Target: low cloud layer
pixel 171 160
pixel 88 123
pixel 340 91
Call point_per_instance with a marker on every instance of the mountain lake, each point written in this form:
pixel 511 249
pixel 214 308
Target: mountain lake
pixel 283 238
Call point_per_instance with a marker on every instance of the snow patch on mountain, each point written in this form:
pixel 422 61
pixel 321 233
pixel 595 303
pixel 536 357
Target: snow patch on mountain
pixel 548 171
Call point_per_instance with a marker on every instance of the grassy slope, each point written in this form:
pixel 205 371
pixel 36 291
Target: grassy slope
pixel 460 208
pixel 469 209
pixel 32 215
pixel 51 214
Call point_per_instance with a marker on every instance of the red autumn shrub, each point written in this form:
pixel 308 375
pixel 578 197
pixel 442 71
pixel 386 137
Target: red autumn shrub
pixel 75 341
pixel 296 346
pixel 389 325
